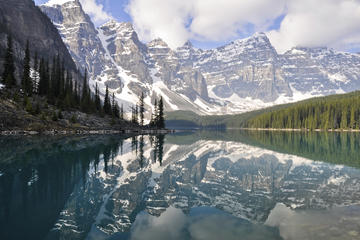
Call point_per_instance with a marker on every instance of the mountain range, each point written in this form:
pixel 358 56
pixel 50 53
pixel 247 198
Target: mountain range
pixel 241 76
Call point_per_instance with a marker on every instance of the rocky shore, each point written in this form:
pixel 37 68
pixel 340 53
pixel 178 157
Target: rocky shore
pixel 84 132
pixel 15 120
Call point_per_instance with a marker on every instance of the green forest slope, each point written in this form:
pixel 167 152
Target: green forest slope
pixel 331 112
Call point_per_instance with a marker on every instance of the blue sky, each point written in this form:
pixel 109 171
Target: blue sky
pixel 212 23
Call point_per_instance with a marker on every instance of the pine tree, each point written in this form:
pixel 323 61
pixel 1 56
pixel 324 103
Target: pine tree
pixel 97 98
pixel 344 122
pixel 121 114
pixel 133 120
pixel 76 98
pixel 35 74
pixel 62 81
pixel 352 118
pixel 107 104
pixel 160 118
pixel 26 81
pixel 8 76
pixel 84 88
pixel 68 91
pixel 115 107
pixel 56 78
pixel 52 83
pixel 84 94
pixel 141 109
pixel 44 88
pixel 136 114
pixel 154 115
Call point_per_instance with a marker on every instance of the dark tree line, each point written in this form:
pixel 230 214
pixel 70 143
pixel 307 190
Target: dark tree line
pixel 52 81
pixel 157 116
pixel 333 112
pixel 8 76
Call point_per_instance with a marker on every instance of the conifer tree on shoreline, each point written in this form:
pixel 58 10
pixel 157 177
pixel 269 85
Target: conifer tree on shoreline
pixel 157 118
pixel 26 81
pixel 8 76
pixel 107 104
pixel 141 109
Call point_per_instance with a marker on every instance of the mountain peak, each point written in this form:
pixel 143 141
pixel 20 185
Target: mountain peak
pixel 52 3
pixel 158 43
pixel 258 37
pixel 113 22
pixel 187 44
pixel 119 26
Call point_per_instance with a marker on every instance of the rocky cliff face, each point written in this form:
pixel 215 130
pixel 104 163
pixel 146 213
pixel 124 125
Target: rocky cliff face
pixel 243 75
pixel 24 21
pixel 115 57
pixel 321 70
pixel 242 67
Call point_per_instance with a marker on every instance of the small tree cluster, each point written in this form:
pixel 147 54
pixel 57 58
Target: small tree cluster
pixel 8 76
pixel 157 118
pixel 138 112
pixel 110 106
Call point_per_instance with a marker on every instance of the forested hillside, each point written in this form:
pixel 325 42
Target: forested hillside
pixel 332 112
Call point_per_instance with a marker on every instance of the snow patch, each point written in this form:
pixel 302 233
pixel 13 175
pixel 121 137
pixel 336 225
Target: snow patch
pixel 159 88
pixel 338 77
pixel 57 2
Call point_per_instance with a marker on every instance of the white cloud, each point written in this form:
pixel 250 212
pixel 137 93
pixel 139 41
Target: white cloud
pixel 333 23
pixel 220 20
pixel 161 18
pixel 309 23
pixel 96 11
pixel 209 20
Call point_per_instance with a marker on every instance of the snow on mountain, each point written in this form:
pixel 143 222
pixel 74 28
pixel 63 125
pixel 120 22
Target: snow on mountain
pixel 57 2
pixel 244 75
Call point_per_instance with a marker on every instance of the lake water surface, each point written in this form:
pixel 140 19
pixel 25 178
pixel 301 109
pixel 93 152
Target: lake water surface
pixel 188 185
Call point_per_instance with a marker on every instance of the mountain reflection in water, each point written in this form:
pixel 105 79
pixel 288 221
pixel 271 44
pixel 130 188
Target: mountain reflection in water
pixel 201 185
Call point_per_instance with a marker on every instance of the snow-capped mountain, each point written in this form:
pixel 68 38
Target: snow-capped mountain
pixel 243 75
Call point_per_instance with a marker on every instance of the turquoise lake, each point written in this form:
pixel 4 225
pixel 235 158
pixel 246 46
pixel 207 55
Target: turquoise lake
pixel 188 185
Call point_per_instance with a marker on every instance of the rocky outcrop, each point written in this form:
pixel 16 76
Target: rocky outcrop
pixel 247 68
pixel 321 71
pixel 126 49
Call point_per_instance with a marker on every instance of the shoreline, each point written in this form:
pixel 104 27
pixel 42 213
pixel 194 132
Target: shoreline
pixel 298 130
pixel 53 132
